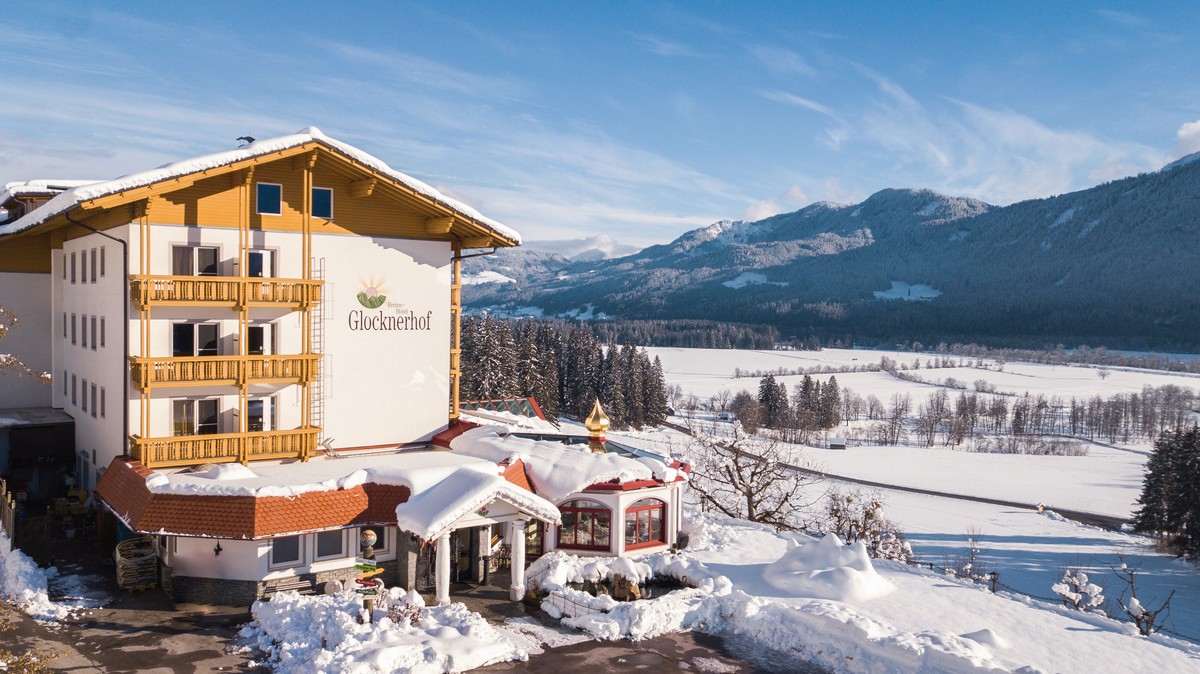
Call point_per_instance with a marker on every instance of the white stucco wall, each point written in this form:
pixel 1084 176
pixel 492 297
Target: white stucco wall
pixel 98 437
pixel 29 297
pixel 385 386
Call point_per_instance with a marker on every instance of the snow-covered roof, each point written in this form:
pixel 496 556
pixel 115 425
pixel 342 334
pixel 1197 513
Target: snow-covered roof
pixel 87 191
pixel 39 187
pixel 430 512
pixel 443 486
pixel 555 469
pixel 418 470
pixel 513 421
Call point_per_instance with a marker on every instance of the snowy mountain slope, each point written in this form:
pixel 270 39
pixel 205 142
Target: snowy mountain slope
pixel 1111 264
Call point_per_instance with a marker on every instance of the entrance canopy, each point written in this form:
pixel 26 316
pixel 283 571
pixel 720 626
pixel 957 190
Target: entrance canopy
pixel 468 498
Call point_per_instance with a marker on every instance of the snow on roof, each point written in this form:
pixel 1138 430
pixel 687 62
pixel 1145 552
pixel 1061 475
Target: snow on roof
pixel 85 191
pixel 514 421
pixel 418 470
pixel 443 486
pixel 27 187
pixel 429 513
pixel 555 469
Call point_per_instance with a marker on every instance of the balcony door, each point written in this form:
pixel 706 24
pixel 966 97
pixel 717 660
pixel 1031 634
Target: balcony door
pixel 195 417
pixel 262 264
pixel 260 414
pixel 260 339
pixel 194 260
pixel 195 339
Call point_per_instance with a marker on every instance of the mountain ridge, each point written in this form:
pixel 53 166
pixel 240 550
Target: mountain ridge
pixel 1110 264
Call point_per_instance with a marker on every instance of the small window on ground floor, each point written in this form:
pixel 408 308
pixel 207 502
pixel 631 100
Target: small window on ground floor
pixel 285 551
pixel 331 544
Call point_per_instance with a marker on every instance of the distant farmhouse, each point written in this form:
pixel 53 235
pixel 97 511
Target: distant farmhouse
pixel 255 361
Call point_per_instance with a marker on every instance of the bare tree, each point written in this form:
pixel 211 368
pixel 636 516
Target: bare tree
pixel 1146 619
pixel 750 478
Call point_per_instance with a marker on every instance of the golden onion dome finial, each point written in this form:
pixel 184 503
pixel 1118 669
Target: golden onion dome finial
pixel 597 422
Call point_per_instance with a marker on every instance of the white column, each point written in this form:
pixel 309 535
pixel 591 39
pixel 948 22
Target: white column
pixel 517 590
pixel 442 573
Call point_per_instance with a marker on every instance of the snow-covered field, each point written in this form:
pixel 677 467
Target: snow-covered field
pixel 1028 549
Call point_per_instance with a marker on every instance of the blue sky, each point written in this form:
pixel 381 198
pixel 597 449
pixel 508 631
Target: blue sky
pixel 636 120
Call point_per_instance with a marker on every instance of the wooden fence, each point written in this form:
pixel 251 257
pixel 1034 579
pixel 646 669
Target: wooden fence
pixel 30 534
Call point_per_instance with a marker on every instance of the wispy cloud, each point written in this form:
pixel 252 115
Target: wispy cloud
pixel 782 61
pixel 664 47
pixel 1124 18
pixel 800 102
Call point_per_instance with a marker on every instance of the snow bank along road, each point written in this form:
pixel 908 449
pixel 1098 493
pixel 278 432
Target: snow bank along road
pixel 1094 519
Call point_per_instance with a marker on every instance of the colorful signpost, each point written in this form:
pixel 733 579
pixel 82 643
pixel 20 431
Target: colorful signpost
pixel 367 585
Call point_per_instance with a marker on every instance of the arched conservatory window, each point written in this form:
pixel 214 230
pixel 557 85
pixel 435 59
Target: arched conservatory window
pixel 644 523
pixel 585 524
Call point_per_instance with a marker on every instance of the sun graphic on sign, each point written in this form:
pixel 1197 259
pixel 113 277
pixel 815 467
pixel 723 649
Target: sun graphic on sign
pixel 373 294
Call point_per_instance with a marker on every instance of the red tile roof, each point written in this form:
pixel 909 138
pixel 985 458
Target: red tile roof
pixel 123 490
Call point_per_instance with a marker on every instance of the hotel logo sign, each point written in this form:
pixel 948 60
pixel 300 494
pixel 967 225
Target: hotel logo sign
pixel 394 315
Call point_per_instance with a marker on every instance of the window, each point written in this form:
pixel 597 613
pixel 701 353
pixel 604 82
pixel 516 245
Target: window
pixel 260 339
pixel 194 260
pixel 64 323
pixel 94 265
pixel 331 544
pixel 64 266
pixel 644 523
pixel 322 202
pixel 285 551
pixel 195 417
pixel 102 332
pixel 101 261
pixel 72 329
pixel 93 333
pixel 64 383
pixel 261 263
pixel 270 199
pixel 94 409
pixel 103 402
pixel 83 267
pixel 84 395
pixel 72 268
pixel 585 524
pixel 195 339
pixel 74 390
pixel 83 331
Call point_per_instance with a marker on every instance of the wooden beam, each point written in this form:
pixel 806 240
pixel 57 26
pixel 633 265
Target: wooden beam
pixel 476 242
pixel 363 188
pixel 305 161
pixel 437 226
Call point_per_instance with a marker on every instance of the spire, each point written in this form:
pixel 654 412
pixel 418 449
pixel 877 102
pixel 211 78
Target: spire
pixel 597 424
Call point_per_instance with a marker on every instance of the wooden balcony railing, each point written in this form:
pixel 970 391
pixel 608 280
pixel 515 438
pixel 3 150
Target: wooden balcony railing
pixel 190 450
pixel 223 370
pixel 223 291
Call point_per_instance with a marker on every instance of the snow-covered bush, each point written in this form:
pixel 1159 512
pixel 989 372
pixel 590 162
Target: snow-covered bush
pixel 1078 592
pixel 858 516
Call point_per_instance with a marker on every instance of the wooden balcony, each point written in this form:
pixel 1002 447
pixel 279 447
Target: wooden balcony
pixel 190 450
pixel 223 370
pixel 231 291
